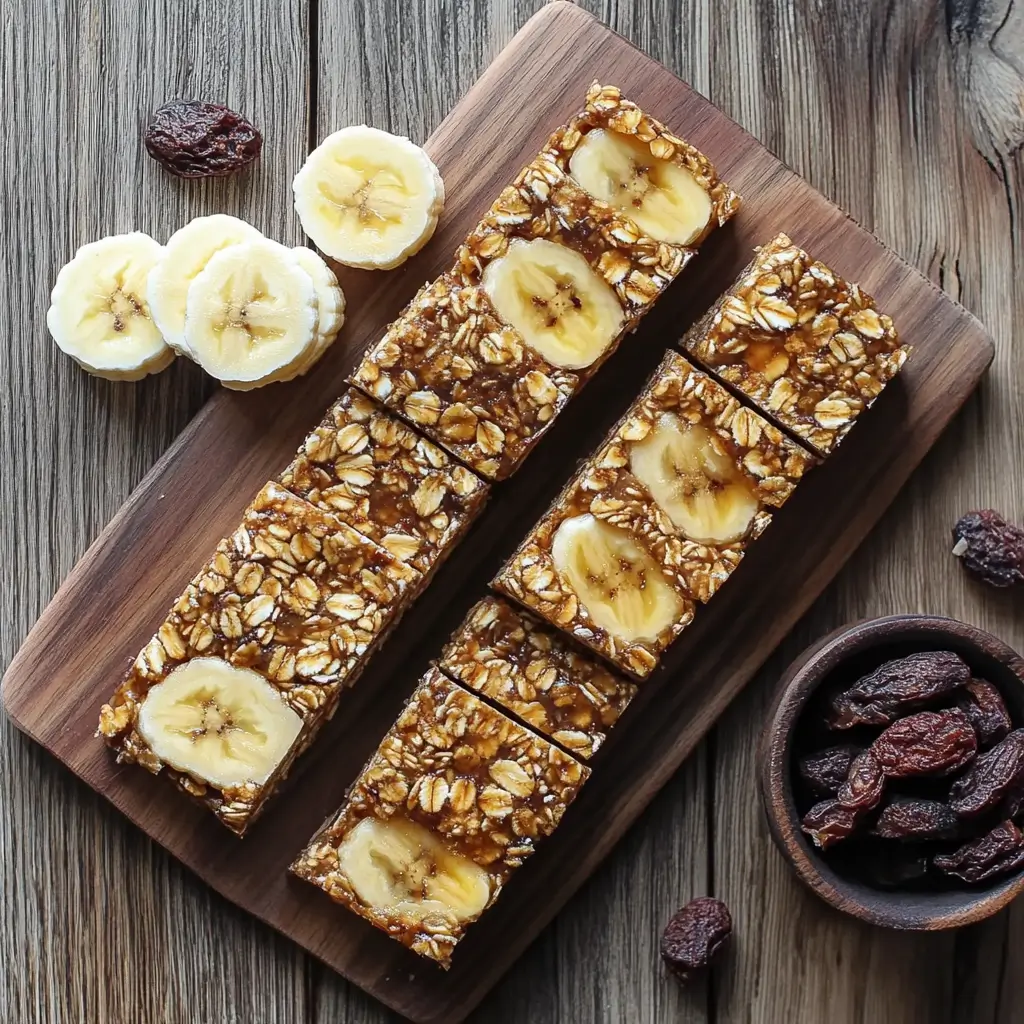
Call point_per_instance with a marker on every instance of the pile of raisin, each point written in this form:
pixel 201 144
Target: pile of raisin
pixel 914 777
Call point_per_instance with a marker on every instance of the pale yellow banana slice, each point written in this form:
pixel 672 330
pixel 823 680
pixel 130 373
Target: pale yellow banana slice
pixel 402 869
pixel 251 315
pixel 219 723
pixel 187 252
pixel 662 198
pixel 330 301
pixel 368 198
pixel 98 311
pixel 694 479
pixel 619 584
pixel 562 307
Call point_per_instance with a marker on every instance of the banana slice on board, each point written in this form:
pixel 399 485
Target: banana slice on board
pixel 695 480
pixel 401 868
pixel 662 198
pixel 368 198
pixel 550 294
pixel 99 314
pixel 330 300
pixel 187 252
pixel 219 723
pixel 619 584
pixel 251 315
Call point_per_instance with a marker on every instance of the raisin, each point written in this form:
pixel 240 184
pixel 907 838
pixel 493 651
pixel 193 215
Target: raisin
pixel 898 686
pixel 928 743
pixel 864 784
pixel 998 853
pixel 894 869
pixel 984 706
pixel 825 771
pixel 908 817
pixel 694 936
pixel 990 548
pixel 829 821
pixel 994 775
pixel 201 140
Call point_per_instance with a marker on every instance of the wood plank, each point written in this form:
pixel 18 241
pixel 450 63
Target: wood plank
pixel 569 48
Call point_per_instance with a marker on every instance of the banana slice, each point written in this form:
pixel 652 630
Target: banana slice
pixel 622 588
pixel 401 868
pixel 549 293
pixel 187 251
pixel 330 300
pixel 368 198
pixel 251 315
pixel 98 311
pixel 660 197
pixel 222 724
pixel 696 482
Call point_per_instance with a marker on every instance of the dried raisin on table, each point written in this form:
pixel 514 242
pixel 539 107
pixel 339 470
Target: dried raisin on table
pixel 990 548
pixel 984 706
pixel 911 818
pixel 897 686
pixel 928 743
pixel 996 774
pixel 998 853
pixel 828 822
pixel 694 936
pixel 192 139
pixel 864 784
pixel 825 771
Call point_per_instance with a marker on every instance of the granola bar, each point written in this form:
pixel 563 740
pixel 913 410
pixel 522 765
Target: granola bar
pixel 812 350
pixel 534 672
pixel 384 480
pixel 252 657
pixel 456 797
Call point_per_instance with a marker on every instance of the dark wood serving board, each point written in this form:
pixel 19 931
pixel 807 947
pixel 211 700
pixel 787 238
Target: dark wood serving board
pixel 118 593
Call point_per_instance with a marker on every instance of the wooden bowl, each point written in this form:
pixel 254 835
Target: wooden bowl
pixel 844 656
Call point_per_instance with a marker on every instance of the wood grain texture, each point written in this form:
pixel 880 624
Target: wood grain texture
pixel 82 955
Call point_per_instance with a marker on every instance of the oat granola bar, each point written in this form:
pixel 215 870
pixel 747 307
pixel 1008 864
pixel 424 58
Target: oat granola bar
pixel 252 657
pixel 384 480
pixel 509 656
pixel 544 288
pixel 456 797
pixel 811 349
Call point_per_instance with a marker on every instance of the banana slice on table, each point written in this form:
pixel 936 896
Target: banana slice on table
pixel 251 315
pixel 695 480
pixel 368 198
pixel 330 300
pixel 401 868
pixel 551 295
pixel 187 252
pixel 220 723
pixel 619 584
pixel 662 198
pixel 99 314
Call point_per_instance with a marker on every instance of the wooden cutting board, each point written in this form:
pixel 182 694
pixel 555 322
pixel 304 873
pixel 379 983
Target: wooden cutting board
pixel 118 593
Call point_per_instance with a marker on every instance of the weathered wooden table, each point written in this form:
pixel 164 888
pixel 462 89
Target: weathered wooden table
pixel 909 113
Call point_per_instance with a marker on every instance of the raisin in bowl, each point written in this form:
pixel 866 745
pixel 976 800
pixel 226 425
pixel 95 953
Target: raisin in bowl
pixel 892 771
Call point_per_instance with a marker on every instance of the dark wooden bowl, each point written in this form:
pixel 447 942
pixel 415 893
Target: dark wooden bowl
pixel 850 652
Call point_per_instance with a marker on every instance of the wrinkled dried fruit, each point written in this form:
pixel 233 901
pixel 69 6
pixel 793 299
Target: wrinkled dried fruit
pixel 1001 852
pixel 864 784
pixel 829 821
pixel 201 140
pixel 695 935
pixel 995 774
pixel 985 708
pixel 907 817
pixel 893 868
pixel 990 548
pixel 898 686
pixel 825 771
pixel 928 743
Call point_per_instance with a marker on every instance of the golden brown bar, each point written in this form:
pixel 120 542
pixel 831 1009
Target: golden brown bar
pixel 536 674
pixel 456 797
pixel 811 349
pixel 251 659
